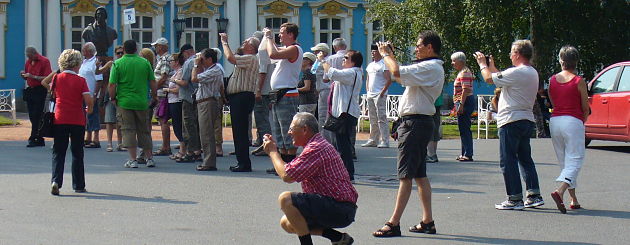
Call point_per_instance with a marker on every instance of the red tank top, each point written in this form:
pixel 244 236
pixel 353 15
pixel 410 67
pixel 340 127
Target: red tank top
pixel 566 98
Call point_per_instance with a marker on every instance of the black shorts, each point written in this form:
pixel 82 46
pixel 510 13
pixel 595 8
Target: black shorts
pixel 323 212
pixel 414 134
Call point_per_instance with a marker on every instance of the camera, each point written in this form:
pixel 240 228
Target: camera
pixel 488 59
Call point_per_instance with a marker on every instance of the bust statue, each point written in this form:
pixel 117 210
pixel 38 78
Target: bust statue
pixel 99 33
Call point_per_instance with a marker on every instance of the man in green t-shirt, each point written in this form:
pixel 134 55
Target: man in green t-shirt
pixel 129 82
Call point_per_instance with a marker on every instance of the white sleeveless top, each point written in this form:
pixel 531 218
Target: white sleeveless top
pixel 287 74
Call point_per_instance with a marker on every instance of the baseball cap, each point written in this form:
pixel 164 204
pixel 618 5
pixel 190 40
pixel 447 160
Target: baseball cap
pixel 161 41
pixel 310 56
pixel 321 47
pixel 185 47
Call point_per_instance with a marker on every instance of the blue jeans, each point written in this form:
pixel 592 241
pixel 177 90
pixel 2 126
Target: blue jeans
pixel 515 151
pixel 463 123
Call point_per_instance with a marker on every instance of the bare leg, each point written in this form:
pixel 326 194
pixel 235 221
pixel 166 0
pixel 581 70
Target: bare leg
pixel 88 136
pixel 424 191
pixel 574 200
pixel 132 152
pixel 402 198
pixel 432 148
pixel 296 220
pixel 562 188
pixel 118 134
pixel 166 136
pixel 109 128
pixel 97 136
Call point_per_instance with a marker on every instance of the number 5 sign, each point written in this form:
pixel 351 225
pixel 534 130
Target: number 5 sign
pixel 129 16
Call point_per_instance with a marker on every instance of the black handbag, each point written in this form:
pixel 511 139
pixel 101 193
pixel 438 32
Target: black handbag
pixel 337 124
pixel 46 124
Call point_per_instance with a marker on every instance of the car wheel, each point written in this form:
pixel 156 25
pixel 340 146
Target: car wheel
pixel 586 142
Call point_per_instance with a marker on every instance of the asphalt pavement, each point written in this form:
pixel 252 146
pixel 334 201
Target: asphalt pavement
pixel 174 204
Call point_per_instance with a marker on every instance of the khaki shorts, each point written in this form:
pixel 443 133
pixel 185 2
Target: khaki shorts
pixel 133 125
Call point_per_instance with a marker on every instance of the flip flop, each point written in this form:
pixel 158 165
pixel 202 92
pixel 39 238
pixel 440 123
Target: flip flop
pixel 575 206
pixel 558 199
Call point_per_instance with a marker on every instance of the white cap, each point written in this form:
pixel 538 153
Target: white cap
pixel 161 41
pixel 321 47
pixel 310 56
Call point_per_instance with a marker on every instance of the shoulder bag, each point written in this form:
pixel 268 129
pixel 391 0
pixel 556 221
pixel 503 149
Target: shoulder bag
pixel 46 124
pixel 337 124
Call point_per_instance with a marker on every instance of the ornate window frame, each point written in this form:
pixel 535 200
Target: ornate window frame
pixel 288 9
pixel 200 8
pixel 339 9
pixel 148 8
pixel 3 30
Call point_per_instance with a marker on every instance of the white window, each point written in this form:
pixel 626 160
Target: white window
pixel 142 31
pixel 78 24
pixel 377 31
pixel 329 29
pixel 274 23
pixel 197 32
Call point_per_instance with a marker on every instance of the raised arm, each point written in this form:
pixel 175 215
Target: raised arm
pixel 229 55
pixel 486 69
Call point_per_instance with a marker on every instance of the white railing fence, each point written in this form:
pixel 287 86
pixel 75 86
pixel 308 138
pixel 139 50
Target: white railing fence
pixel 7 103
pixel 484 114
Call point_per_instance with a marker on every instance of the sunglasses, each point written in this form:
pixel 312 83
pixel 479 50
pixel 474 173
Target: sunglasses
pixel 119 53
pixel 346 57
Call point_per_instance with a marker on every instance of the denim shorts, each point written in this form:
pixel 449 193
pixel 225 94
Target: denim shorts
pixel 282 115
pixel 93 121
pixel 322 212
pixel 110 113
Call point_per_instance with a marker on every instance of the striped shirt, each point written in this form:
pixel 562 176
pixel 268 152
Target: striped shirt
pixel 464 79
pixel 245 74
pixel 210 82
pixel 320 170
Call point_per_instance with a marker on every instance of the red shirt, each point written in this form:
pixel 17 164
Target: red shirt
pixel 320 170
pixel 567 100
pixel 69 90
pixel 38 66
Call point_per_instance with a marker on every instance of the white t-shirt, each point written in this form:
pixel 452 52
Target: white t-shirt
pixel 88 71
pixel 376 77
pixel 423 83
pixel 518 95
pixel 287 74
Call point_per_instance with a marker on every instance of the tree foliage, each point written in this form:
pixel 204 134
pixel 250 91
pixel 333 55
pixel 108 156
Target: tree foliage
pixel 599 29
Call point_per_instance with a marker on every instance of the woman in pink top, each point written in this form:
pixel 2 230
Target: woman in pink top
pixel 567 92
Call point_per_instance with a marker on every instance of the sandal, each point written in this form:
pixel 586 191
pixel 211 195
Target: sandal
pixel 121 148
pixel 186 158
pixel 572 206
pixel 424 228
pixel 465 159
pixel 206 168
pixel 559 203
pixel 393 231
pixel 176 156
pixel 162 152
pixel 109 148
pixel 198 157
pixel 93 145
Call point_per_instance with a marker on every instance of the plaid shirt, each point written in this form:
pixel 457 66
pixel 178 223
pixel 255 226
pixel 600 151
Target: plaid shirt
pixel 162 68
pixel 320 170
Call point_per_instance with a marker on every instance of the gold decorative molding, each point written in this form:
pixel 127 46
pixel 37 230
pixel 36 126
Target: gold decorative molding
pixel 3 7
pixel 198 7
pixel 145 7
pixel 82 6
pixel 332 8
pixel 279 8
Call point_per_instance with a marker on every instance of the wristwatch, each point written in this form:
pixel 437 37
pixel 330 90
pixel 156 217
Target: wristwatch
pixel 196 66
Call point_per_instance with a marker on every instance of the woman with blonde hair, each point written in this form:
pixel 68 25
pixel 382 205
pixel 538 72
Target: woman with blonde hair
pixel 71 92
pixel 568 95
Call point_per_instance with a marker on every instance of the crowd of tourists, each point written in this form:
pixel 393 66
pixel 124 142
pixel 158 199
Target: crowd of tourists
pixel 302 99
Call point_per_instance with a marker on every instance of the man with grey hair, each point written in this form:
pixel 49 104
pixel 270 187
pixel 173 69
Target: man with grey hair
pixel 335 61
pixel 162 71
pixel 36 68
pixel 515 121
pixel 328 199
pixel 89 71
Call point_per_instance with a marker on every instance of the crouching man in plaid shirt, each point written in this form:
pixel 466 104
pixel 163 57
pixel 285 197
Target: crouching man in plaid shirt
pixel 329 199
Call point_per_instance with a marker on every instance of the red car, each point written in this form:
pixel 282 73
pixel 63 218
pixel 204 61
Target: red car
pixel 609 98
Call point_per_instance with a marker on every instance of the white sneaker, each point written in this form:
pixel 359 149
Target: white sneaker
pixel 383 145
pixel 150 163
pixel 369 143
pixel 131 164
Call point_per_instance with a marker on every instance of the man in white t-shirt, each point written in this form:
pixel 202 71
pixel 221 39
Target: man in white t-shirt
pixel 88 71
pixel 515 120
pixel 377 84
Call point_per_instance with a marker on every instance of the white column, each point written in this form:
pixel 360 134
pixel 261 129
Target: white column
pixel 116 26
pixel 172 42
pixel 33 17
pixel 3 22
pixel 53 31
pixel 250 18
pixel 233 29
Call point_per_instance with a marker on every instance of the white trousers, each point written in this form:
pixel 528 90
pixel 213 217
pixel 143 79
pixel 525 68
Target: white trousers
pixel 379 126
pixel 567 135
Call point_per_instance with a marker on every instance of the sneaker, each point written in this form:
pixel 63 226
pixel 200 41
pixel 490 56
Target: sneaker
pixel 383 145
pixel 131 164
pixel 80 190
pixel 510 205
pixel 534 201
pixel 54 189
pixel 432 159
pixel 150 163
pixel 345 240
pixel 369 143
pixel 141 160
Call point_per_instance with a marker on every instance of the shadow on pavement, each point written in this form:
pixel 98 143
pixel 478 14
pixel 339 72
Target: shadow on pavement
pixel 492 240
pixel 116 197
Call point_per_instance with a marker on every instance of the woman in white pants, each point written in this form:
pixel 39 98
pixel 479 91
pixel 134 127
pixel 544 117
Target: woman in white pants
pixel 568 94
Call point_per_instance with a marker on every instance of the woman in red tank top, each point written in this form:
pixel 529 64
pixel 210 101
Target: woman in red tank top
pixel 567 92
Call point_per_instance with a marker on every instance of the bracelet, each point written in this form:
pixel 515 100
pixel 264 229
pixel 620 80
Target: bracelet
pixel 385 55
pixel 481 69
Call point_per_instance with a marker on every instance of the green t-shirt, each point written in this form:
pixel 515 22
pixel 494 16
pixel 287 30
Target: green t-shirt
pixel 438 101
pixel 132 74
